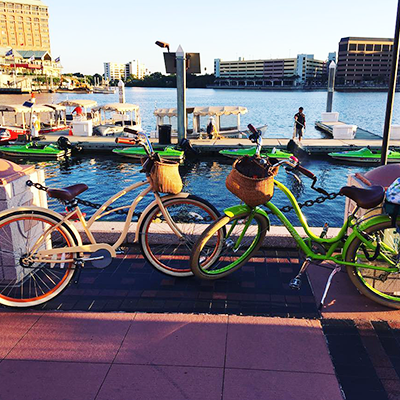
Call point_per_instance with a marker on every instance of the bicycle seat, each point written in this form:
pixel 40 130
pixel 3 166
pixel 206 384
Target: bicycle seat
pixel 365 198
pixel 67 193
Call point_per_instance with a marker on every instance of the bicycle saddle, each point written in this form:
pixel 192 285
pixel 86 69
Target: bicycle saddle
pixel 67 193
pixel 365 198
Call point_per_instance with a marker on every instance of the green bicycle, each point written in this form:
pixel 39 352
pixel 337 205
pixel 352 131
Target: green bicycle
pixel 367 246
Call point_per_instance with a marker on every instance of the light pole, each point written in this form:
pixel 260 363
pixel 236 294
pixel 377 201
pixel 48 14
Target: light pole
pixel 331 85
pixel 180 88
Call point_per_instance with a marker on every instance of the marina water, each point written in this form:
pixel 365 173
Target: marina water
pixel 106 174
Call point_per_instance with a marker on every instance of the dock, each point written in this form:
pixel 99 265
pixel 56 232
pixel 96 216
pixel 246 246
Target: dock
pixel 208 147
pixel 361 134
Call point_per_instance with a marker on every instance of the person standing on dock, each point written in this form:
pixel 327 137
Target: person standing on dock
pixel 300 124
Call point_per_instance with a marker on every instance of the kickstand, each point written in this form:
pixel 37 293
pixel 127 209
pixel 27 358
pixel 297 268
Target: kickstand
pixel 328 284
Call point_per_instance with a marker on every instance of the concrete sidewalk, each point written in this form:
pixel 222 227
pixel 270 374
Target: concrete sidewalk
pixel 351 350
pixel 162 356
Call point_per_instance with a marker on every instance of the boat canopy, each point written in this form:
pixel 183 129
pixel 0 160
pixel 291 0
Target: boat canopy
pixel 118 107
pixel 56 107
pixel 86 103
pixel 20 109
pixel 202 111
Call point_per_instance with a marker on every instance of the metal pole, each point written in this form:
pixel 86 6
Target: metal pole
pixel 121 91
pixel 331 85
pixel 392 90
pixel 181 92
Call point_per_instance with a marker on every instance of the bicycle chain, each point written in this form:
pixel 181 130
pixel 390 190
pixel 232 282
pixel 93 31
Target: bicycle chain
pixel 307 203
pixel 85 202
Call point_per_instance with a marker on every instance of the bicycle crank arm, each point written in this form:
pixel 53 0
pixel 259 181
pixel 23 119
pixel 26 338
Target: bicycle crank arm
pixel 45 255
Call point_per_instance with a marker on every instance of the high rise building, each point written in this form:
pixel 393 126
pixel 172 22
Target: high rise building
pixel 364 59
pixel 24 25
pixel 118 71
pixel 304 67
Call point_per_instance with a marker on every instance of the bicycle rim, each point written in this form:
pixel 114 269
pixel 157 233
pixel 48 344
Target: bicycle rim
pixel 28 283
pixel 380 286
pixel 218 254
pixel 162 248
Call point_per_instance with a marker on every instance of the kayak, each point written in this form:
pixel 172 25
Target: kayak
pixel 366 156
pixel 250 151
pixel 169 153
pixel 34 150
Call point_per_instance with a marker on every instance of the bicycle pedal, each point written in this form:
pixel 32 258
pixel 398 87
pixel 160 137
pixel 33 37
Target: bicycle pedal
pixel 295 284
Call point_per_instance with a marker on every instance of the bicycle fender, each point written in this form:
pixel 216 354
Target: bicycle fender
pixel 54 214
pixel 243 209
pixel 365 225
pixel 182 195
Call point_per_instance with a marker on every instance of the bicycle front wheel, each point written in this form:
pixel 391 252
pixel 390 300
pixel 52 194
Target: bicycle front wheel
pixel 227 244
pixel 26 281
pixel 162 248
pixel 380 286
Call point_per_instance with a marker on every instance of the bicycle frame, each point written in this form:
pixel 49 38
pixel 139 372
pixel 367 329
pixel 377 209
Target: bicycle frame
pixel 330 244
pixel 46 255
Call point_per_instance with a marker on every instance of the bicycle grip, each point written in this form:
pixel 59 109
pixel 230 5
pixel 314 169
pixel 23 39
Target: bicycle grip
pixel 125 140
pixel 305 172
pixel 252 129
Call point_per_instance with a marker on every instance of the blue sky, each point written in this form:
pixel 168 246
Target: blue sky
pixel 86 33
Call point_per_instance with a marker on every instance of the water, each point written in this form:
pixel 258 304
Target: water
pixel 275 108
pixel 106 175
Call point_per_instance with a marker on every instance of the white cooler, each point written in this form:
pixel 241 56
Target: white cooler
pixel 330 117
pixel 344 131
pixel 82 128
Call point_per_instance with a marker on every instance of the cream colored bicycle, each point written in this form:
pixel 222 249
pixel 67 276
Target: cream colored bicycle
pixel 42 250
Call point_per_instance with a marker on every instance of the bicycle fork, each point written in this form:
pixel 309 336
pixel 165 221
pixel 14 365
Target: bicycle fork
pixel 295 283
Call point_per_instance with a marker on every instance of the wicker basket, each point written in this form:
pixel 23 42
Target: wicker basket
pixel 252 190
pixel 165 178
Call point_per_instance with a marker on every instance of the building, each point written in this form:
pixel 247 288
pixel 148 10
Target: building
pixel 116 71
pixel 25 25
pixel 364 59
pixel 136 69
pixel 269 72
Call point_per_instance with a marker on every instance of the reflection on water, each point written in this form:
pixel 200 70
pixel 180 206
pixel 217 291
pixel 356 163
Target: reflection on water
pixel 206 178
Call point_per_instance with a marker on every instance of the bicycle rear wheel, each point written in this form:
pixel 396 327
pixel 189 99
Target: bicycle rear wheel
pixel 379 286
pixel 25 281
pixel 160 245
pixel 217 254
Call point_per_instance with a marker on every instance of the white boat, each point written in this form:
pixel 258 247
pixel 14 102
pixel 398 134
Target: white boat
pixel 105 89
pixel 115 116
pixel 197 127
pixel 16 120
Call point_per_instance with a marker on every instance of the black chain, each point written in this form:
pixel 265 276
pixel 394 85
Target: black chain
pixel 85 202
pixel 285 209
pixel 309 203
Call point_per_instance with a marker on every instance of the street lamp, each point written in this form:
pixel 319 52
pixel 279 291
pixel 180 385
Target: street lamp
pixel 180 88
pixel 163 45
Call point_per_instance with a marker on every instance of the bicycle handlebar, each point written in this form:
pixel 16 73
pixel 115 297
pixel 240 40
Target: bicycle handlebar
pixel 140 138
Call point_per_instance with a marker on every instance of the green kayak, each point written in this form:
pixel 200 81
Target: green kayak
pixel 34 150
pixel 169 153
pixel 365 156
pixel 250 151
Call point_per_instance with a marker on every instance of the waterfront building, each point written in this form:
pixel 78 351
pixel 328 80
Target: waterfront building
pixel 270 72
pixel 136 69
pixel 25 25
pixel 117 71
pixel 364 59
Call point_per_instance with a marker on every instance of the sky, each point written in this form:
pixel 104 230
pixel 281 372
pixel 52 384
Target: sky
pixel 87 33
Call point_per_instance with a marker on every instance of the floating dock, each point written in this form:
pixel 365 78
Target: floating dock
pixel 361 134
pixel 99 144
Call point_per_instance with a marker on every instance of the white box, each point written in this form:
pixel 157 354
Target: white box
pixel 82 128
pixel 330 117
pixel 344 131
pixel 395 132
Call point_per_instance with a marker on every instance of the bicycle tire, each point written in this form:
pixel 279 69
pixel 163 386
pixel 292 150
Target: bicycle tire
pixel 220 259
pixel 369 282
pixel 34 283
pixel 171 255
